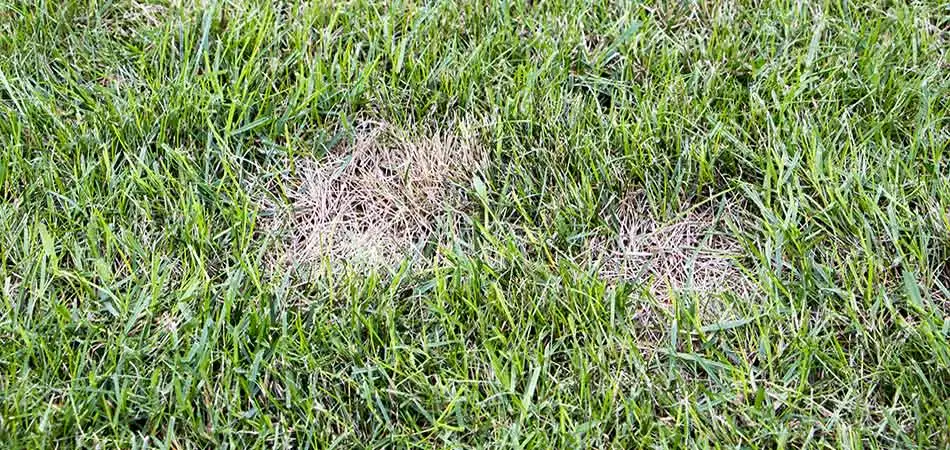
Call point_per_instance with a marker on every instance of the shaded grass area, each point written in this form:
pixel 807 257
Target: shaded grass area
pixel 136 309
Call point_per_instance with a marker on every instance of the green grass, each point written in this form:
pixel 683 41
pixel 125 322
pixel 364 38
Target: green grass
pixel 137 309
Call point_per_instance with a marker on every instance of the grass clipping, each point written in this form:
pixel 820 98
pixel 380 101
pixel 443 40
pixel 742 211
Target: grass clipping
pixel 687 255
pixel 378 200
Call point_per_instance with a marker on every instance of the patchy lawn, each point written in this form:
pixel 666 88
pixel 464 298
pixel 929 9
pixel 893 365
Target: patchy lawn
pixel 474 224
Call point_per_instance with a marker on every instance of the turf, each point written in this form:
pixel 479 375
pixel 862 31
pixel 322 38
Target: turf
pixel 145 145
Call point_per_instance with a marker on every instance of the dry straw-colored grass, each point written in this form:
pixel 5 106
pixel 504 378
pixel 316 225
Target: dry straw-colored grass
pixel 688 255
pixel 379 199
pixel 149 13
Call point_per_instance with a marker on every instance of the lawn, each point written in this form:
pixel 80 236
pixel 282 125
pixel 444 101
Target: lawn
pixel 486 224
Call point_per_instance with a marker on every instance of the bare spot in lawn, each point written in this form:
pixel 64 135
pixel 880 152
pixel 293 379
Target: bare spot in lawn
pixel 379 199
pixel 690 254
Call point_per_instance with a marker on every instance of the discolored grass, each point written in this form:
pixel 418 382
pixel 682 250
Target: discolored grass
pixel 692 254
pixel 377 201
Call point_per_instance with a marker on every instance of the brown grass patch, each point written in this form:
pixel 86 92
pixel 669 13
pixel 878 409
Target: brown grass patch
pixel 688 255
pixel 379 199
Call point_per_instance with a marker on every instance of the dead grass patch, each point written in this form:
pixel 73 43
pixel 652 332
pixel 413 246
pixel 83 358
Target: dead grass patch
pixel 689 255
pixel 149 13
pixel 379 199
